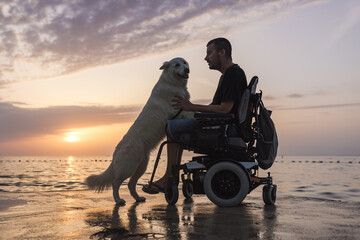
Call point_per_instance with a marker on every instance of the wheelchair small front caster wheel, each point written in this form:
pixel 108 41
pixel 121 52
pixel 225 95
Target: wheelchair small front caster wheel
pixel 172 194
pixel 187 188
pixel 269 194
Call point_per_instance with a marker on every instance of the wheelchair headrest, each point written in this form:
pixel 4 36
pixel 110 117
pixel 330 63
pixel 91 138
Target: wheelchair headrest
pixel 253 84
pixel 243 109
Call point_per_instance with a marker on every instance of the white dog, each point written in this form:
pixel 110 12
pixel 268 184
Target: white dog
pixel 131 155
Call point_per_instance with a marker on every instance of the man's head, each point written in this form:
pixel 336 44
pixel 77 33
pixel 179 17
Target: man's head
pixel 218 50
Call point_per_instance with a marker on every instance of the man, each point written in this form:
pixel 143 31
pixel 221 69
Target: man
pixel 226 99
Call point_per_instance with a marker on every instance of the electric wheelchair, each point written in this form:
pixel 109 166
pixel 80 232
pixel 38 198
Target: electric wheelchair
pixel 227 168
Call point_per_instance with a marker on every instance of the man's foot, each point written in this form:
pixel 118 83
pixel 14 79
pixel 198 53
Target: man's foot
pixel 153 188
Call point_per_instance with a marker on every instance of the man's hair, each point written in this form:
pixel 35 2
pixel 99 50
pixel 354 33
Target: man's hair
pixel 221 43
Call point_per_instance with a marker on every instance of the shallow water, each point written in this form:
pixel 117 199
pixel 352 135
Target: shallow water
pixel 335 178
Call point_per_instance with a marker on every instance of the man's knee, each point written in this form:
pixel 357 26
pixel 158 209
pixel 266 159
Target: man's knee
pixel 168 134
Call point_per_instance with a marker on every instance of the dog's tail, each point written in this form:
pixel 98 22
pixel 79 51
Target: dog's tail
pixel 100 182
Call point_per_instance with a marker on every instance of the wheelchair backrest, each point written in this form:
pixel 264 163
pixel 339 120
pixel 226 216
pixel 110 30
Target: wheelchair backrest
pixel 245 109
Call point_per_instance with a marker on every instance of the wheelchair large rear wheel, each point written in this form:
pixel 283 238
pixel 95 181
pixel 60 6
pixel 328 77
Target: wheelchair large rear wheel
pixel 226 184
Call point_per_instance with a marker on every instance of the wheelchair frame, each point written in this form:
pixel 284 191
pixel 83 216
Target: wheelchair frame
pixel 224 176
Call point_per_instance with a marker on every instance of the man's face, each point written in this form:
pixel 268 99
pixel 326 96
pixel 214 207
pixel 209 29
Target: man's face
pixel 212 57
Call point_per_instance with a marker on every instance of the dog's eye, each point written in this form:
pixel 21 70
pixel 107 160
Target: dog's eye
pixel 177 65
pixel 185 63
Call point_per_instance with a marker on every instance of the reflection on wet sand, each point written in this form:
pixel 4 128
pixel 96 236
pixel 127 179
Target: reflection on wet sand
pixel 116 228
pixel 269 222
pixel 80 215
pixel 184 221
pixel 225 223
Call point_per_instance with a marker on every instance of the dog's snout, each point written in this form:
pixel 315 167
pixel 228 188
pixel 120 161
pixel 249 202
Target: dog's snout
pixel 187 70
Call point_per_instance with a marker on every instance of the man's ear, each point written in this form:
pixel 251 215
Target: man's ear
pixel 222 52
pixel 165 65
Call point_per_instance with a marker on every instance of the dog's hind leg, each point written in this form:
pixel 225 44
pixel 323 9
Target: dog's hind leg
pixel 135 177
pixel 116 185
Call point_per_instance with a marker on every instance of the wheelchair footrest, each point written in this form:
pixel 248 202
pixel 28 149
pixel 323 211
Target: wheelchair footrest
pixel 249 165
pixel 194 165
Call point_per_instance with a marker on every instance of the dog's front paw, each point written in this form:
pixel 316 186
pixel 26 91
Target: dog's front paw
pixel 141 199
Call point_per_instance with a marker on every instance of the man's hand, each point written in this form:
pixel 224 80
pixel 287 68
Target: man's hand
pixel 182 103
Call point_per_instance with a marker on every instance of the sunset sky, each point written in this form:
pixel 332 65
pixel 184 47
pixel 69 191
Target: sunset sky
pixel 74 75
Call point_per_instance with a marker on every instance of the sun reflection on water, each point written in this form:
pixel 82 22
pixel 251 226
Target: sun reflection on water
pixel 70 168
pixel 70 159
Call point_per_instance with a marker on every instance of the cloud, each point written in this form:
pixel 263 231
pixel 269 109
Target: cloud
pixel 318 106
pixel 20 123
pixel 299 95
pixel 3 83
pixel 295 95
pixel 24 122
pixel 269 97
pixel 351 19
pixel 61 37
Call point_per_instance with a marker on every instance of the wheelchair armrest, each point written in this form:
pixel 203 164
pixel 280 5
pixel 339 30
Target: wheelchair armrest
pixel 214 116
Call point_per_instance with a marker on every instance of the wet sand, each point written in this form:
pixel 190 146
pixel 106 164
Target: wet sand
pixel 88 215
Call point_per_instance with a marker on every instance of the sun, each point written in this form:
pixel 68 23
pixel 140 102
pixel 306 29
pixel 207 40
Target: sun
pixel 72 137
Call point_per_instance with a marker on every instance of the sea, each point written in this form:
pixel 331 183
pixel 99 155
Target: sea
pixel 323 177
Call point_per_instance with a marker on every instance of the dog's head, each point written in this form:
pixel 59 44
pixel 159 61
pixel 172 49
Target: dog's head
pixel 177 67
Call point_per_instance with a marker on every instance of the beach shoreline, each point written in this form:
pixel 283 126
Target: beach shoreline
pixel 85 214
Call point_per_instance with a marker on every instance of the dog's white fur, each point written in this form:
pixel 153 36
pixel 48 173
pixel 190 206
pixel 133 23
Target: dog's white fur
pixel 131 155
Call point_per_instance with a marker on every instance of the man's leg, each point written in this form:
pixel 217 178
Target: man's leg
pixel 174 154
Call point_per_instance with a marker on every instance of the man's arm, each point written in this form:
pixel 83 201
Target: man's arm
pixel 186 105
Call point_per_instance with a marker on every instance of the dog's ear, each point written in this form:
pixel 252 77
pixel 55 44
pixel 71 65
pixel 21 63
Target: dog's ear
pixel 165 65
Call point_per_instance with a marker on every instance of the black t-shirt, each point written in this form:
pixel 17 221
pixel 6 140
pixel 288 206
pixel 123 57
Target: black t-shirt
pixel 231 85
